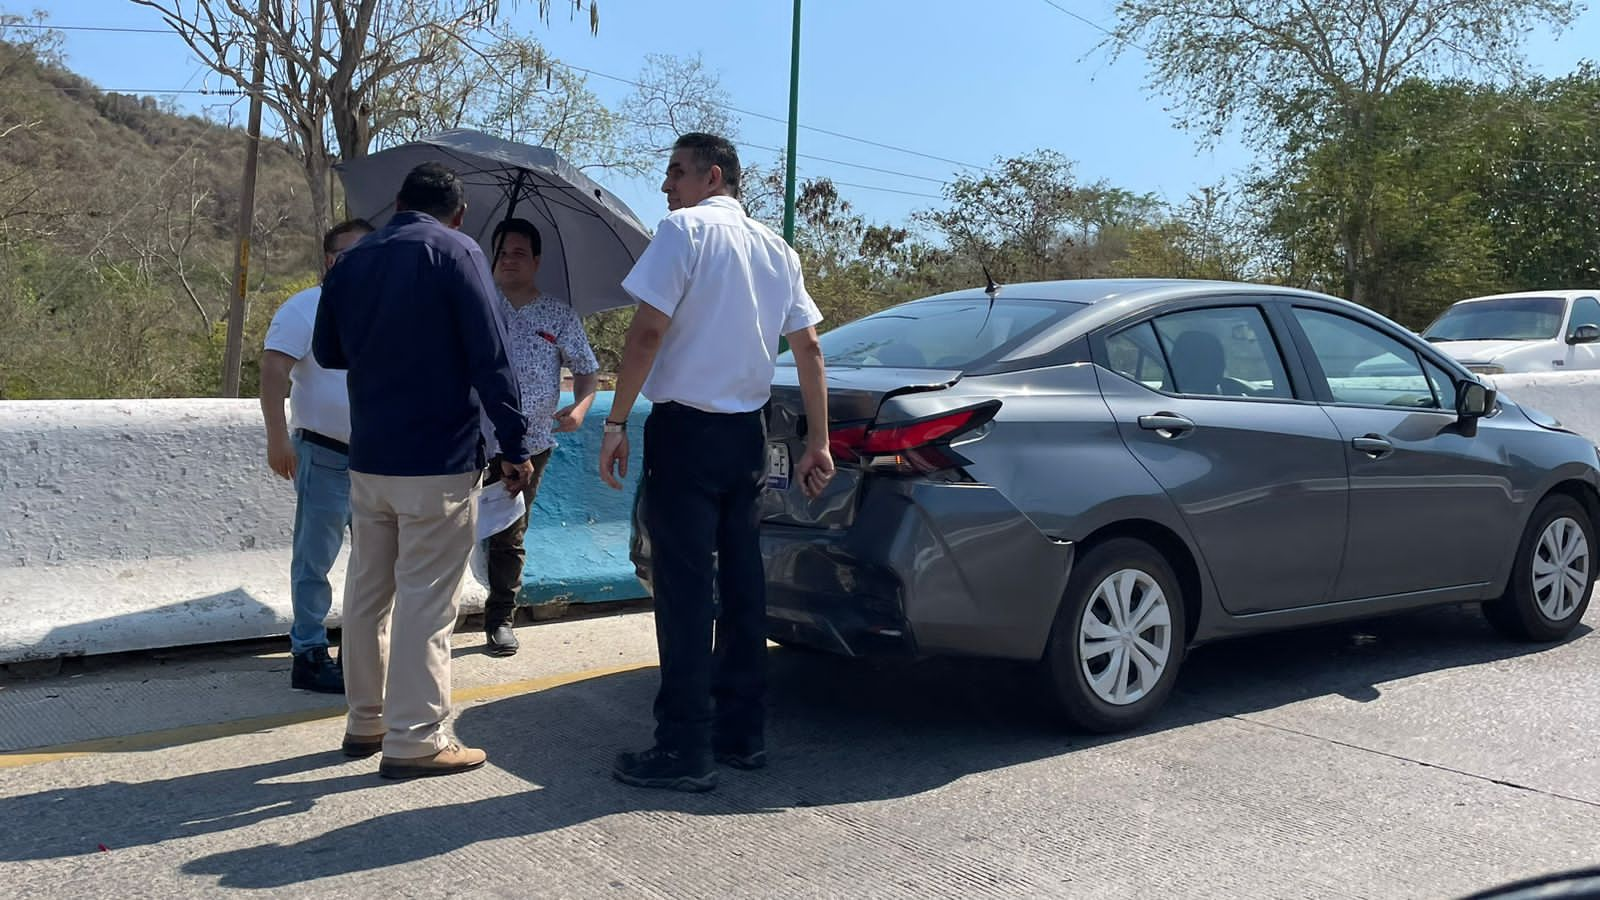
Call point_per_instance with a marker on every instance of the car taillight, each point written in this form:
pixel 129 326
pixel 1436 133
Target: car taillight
pixel 920 446
pixel 844 443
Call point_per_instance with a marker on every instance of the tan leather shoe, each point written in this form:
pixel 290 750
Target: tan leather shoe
pixel 452 759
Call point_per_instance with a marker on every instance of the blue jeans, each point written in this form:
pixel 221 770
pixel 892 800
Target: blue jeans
pixel 321 517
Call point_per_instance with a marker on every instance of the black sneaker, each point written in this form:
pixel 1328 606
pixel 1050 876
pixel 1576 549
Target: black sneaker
pixel 665 769
pixel 748 755
pixel 502 641
pixel 315 670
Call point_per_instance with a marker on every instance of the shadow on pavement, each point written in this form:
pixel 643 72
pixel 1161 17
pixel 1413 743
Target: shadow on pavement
pixel 122 814
pixel 1352 660
pixel 842 731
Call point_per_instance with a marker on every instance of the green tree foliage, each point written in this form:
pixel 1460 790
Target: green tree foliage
pixel 1207 236
pixel 1425 239
pixel 116 219
pixel 1541 181
pixel 1377 179
pixel 1297 74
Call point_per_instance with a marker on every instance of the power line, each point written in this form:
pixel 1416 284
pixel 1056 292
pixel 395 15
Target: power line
pixel 1084 19
pixel 104 28
pixel 885 190
pixel 811 156
pixel 1096 25
pixel 840 162
pixel 824 159
pixel 587 71
pixel 783 121
pixel 214 92
pixel 237 92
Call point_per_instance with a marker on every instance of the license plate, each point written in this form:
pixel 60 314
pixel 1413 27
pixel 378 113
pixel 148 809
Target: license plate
pixel 778 467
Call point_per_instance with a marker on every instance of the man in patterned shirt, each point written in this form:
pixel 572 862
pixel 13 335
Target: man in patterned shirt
pixel 543 334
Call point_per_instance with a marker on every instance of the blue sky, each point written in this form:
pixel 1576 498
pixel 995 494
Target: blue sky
pixel 962 80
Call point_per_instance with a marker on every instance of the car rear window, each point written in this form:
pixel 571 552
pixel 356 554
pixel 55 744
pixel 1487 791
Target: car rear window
pixel 1511 319
pixel 938 334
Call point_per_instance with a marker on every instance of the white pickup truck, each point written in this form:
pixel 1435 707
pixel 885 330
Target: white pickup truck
pixel 1536 331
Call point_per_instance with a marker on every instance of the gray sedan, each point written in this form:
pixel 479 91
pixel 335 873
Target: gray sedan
pixel 1099 475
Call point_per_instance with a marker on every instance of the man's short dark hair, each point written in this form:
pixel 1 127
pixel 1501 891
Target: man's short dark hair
pixel 710 150
pixel 355 226
pixel 517 226
pixel 433 189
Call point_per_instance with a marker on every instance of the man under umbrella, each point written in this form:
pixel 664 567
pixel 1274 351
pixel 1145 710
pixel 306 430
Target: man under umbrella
pixel 543 333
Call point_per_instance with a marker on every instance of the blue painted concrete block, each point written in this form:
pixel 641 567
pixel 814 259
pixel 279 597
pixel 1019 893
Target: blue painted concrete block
pixel 579 528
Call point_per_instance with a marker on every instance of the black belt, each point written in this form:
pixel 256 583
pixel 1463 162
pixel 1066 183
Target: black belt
pixel 322 440
pixel 674 408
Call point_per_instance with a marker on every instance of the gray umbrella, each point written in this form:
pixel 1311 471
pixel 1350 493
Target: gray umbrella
pixel 591 239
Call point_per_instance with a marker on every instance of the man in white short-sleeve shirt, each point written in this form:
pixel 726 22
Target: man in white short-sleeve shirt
pixel 716 291
pixel 312 450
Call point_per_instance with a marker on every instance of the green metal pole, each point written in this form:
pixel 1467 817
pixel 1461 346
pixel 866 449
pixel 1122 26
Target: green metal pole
pixel 794 122
pixel 794 111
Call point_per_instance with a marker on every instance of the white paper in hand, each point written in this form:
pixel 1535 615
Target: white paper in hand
pixel 497 510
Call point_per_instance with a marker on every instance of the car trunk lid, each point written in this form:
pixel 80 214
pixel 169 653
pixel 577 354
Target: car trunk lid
pixel 856 397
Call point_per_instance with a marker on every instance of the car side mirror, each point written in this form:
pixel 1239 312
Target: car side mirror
pixel 1584 334
pixel 1473 399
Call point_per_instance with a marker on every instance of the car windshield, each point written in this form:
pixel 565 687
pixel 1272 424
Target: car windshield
pixel 1511 319
pixel 938 334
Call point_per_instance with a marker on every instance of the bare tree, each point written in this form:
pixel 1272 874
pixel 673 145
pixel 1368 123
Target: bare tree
pixel 328 61
pixel 674 95
pixel 509 86
pixel 22 48
pixel 166 241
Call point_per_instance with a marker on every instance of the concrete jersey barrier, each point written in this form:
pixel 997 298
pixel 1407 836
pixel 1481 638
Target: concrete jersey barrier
pixel 137 524
pixel 1569 396
pixel 578 530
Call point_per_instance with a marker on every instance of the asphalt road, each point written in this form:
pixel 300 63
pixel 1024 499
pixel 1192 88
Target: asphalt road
pixel 1419 756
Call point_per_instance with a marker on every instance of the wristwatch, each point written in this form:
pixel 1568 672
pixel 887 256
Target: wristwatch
pixel 615 427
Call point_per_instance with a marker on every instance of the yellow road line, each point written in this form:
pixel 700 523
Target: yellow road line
pixel 192 734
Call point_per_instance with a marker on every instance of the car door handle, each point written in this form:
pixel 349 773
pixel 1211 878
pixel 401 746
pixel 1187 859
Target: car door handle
pixel 1372 445
pixel 1167 425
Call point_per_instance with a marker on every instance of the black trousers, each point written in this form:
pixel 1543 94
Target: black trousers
pixel 703 474
pixel 507 555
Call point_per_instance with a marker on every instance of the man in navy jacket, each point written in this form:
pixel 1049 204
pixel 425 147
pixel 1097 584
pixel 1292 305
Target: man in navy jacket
pixel 410 313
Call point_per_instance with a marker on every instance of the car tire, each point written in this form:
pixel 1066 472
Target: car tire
pixel 1553 576
pixel 1094 667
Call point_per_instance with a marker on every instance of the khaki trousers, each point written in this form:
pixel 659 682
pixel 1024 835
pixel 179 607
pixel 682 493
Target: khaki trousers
pixel 410 539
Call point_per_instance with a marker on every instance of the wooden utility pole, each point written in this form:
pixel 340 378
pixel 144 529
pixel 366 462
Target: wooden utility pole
pixel 237 307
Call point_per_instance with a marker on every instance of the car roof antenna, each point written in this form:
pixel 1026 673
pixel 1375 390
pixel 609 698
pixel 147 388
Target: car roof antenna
pixel 993 290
